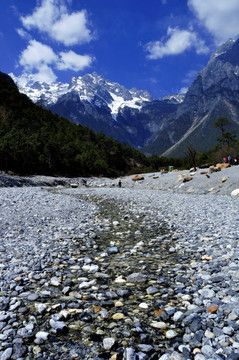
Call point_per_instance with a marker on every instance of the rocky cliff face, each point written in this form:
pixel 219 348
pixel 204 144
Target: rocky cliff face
pixel 214 93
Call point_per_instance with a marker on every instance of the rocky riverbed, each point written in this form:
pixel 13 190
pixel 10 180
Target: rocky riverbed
pixel 131 273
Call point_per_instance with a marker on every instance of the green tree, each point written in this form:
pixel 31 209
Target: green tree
pixel 226 138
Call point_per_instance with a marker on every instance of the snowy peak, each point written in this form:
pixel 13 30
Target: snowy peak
pixel 91 88
pixel 223 49
pixel 39 91
pixel 92 82
pixel 174 99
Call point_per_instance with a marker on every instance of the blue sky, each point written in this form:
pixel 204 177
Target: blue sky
pixel 154 45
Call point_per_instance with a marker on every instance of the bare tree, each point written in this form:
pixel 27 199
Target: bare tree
pixel 191 154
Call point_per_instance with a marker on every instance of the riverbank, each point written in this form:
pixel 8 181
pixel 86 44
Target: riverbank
pixel 103 272
pixel 183 182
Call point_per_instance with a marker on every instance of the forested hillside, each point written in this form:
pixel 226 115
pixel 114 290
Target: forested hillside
pixel 35 141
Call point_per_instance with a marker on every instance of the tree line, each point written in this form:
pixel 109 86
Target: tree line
pixel 35 141
pixel 227 145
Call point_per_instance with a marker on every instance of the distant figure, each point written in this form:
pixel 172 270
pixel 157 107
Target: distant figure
pixel 119 183
pixel 229 159
pixel 84 182
pixel 224 159
pixel 235 160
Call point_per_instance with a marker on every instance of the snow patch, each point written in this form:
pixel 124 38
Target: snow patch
pixel 119 103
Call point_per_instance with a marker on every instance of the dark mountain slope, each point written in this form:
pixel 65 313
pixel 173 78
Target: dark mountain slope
pixel 34 140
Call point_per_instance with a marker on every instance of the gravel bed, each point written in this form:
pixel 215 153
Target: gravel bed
pixel 118 273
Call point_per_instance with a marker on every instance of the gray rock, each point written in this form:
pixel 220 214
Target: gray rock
pixel 6 354
pixel 129 354
pixel 152 290
pixel 194 321
pixel 58 325
pixel 137 278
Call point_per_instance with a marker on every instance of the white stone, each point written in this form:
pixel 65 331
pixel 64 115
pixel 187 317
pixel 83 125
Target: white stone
pixel 41 308
pixel 143 305
pixel 186 297
pixel 170 334
pixel 90 268
pixel 209 334
pixel 108 343
pixel 55 281
pixel 120 280
pixel 42 335
pixel 178 316
pixel 57 325
pixel 165 357
pixel 87 284
pixel 158 325
pixel 235 192
pixel 64 313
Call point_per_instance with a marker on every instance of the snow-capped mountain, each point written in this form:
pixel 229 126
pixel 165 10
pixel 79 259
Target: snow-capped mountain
pixel 175 99
pixel 165 126
pixel 91 88
pixel 129 116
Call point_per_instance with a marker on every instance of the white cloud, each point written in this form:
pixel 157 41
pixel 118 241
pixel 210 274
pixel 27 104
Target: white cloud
pixel 220 17
pixel 71 29
pixel 177 42
pixel 44 74
pixel 71 60
pixel 37 57
pixel 24 34
pixel 43 17
pixel 53 18
pixel 37 54
pixel 183 90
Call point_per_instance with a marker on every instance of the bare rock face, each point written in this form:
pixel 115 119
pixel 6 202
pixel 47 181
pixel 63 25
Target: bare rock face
pixel 214 93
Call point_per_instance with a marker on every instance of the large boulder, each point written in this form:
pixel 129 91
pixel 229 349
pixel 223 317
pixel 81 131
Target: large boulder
pixel 187 178
pixel 138 177
pixel 213 169
pixel 222 166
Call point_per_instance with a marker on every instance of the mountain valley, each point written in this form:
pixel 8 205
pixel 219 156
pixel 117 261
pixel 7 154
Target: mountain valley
pixel 165 126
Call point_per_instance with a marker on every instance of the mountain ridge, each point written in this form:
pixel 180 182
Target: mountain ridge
pixel 163 126
pixel 103 105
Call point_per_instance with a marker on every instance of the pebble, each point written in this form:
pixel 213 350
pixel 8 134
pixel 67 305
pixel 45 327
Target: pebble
pixel 118 316
pixel 170 334
pixel 108 343
pixel 157 285
pixel 159 325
